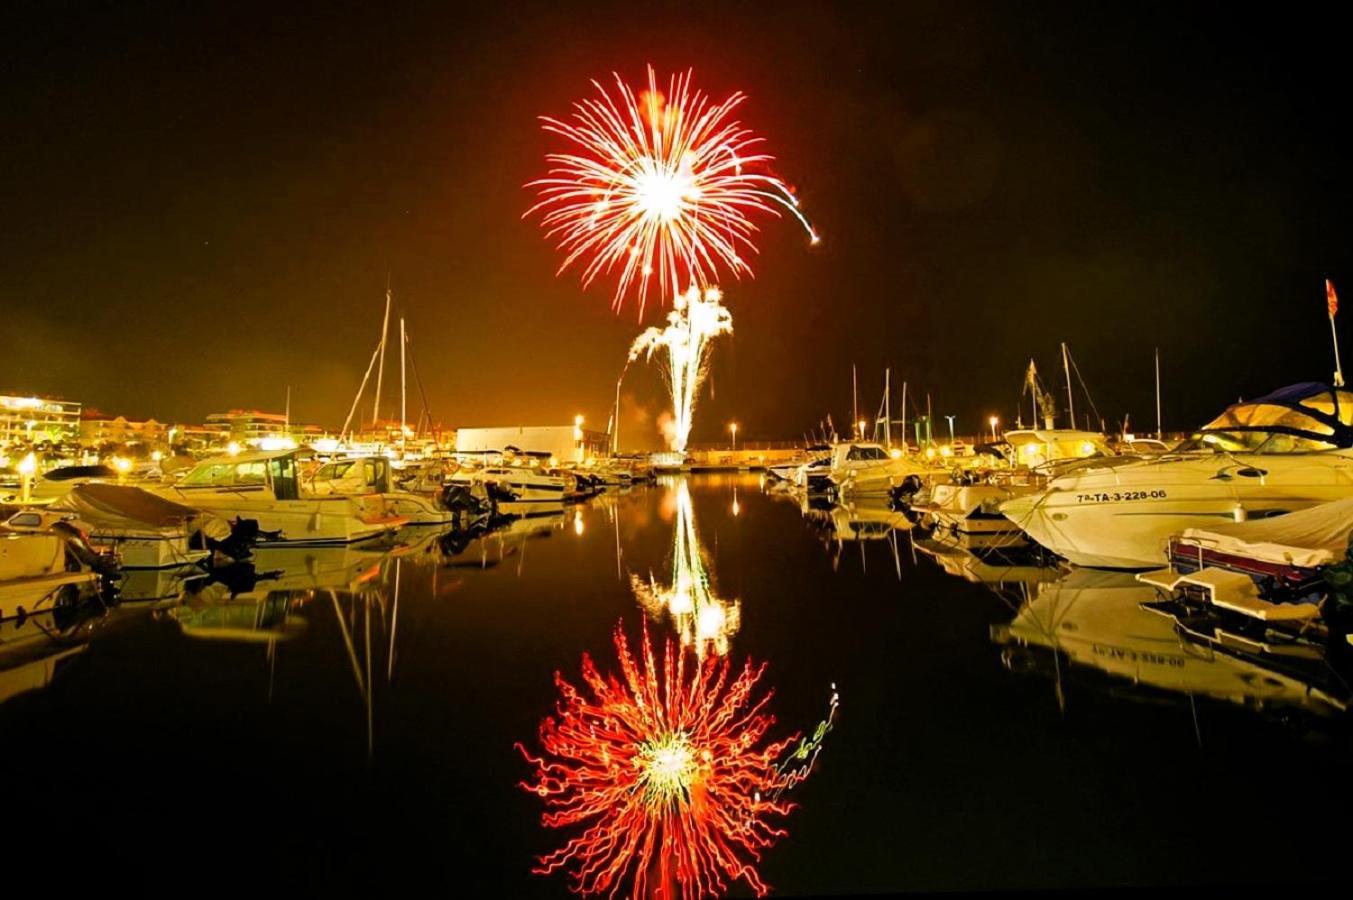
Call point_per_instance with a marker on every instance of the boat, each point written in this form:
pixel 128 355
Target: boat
pixel 969 504
pixel 142 530
pixel 1262 585
pixel 264 487
pixel 57 483
pixel 515 484
pixel 367 475
pixel 1289 450
pixel 789 471
pixel 862 468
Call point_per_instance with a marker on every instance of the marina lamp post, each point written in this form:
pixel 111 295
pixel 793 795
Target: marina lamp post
pixel 993 422
pixel 578 435
pixel 951 429
pixel 859 426
pixel 733 429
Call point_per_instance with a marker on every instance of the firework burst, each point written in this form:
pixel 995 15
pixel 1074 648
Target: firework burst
pixel 666 775
pixel 696 319
pixel 657 184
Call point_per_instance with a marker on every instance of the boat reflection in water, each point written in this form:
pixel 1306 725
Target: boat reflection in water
pixel 35 647
pixel 1096 621
pixel 667 769
pixel 702 620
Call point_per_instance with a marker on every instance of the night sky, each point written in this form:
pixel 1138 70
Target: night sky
pixel 200 205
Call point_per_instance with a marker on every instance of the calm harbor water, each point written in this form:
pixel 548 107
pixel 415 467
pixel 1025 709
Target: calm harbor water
pixel 351 720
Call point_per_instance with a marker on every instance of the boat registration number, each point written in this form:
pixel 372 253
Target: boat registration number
pixel 1120 496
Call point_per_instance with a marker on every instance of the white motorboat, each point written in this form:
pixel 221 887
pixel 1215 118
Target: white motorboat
pixel 367 475
pixel 265 487
pixel 37 572
pixel 142 530
pixel 515 484
pixel 789 471
pixel 862 468
pixel 57 483
pixel 1283 452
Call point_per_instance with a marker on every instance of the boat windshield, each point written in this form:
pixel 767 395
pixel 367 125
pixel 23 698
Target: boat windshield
pixel 228 474
pixel 857 452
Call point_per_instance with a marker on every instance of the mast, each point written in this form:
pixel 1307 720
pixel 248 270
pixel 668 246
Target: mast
pixel 1070 400
pixel 403 396
pixel 888 408
pixel 1159 432
pixel 380 371
pixel 287 415
pixel 854 401
pixel 904 416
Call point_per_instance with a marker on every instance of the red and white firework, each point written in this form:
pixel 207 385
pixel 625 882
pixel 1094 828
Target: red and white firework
pixel 657 184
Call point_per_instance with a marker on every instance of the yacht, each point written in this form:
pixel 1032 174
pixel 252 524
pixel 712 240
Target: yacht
pixel 265 487
pixel 515 484
pixel 971 504
pixel 789 471
pixel 1287 451
pixel 366 475
pixel 862 468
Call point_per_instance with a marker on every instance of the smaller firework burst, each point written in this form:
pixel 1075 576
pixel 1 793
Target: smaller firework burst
pixel 667 777
pixel 697 317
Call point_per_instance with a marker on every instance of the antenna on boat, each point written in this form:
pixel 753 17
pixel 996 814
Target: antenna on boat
pixel 1159 432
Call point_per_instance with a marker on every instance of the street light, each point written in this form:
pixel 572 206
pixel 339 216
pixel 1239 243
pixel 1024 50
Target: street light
pixel 733 427
pixel 860 425
pixel 993 422
pixel 951 430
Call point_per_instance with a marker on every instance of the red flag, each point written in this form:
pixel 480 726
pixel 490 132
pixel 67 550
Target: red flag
pixel 1331 298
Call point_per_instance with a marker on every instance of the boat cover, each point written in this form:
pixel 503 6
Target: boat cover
pixel 122 508
pixel 1311 537
pixel 1313 416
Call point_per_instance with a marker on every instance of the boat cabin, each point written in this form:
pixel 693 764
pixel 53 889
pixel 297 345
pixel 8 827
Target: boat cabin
pixel 1302 417
pixel 1038 446
pixel 263 472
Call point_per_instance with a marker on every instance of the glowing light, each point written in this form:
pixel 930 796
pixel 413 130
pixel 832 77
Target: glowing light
pixel 324 445
pixel 668 774
pixel 28 465
pixel 693 322
pixel 122 464
pixel 156 456
pixel 1087 448
pixel 861 426
pixel 895 453
pixel 702 620
pixel 946 451
pixel 276 443
pixel 233 448
pixel 656 183
pixel 578 524
pixel 929 452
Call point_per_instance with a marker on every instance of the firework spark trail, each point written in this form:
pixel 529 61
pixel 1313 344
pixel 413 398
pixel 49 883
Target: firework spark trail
pixel 658 184
pixel 663 774
pixel 695 319
pixel 703 621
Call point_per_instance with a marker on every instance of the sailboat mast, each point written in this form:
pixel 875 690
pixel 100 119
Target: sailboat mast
pixel 380 371
pixel 888 408
pixel 1160 434
pixel 403 387
pixel 904 415
pixel 1070 398
pixel 854 401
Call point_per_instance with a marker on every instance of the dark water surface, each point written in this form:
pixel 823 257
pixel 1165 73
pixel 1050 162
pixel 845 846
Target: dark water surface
pixel 334 730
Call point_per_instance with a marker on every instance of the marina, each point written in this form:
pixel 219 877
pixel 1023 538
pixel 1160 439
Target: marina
pixel 544 451
pixel 370 696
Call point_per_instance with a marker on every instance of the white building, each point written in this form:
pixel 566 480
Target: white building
pixel 566 443
pixel 29 420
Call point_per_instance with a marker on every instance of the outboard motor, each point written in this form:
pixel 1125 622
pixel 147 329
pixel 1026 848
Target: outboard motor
pixel 81 554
